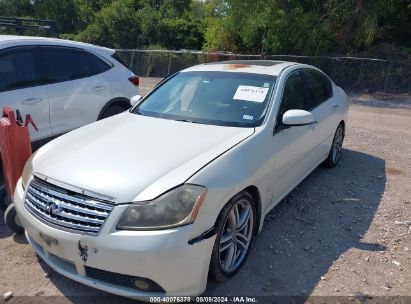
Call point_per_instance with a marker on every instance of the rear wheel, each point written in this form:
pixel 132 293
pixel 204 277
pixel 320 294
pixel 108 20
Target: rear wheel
pixel 112 110
pixel 11 219
pixel 235 231
pixel 336 148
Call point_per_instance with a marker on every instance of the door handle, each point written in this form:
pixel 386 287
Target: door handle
pixel 98 88
pixel 335 107
pixel 31 101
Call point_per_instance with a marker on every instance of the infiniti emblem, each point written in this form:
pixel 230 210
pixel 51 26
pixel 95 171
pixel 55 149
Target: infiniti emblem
pixel 53 208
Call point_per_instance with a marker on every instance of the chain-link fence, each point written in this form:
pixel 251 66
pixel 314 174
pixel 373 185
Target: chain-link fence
pixel 351 73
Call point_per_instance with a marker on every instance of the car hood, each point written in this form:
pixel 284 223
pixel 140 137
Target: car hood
pixel 130 157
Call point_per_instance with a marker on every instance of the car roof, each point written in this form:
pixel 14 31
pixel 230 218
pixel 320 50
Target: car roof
pixel 266 67
pixel 11 40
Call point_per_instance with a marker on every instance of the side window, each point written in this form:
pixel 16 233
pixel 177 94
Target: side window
pixel 17 70
pixel 61 64
pixel 97 65
pixel 319 87
pixel 294 95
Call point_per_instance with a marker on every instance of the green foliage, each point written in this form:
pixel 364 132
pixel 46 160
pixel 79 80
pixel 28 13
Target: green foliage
pixel 306 27
pixel 62 11
pixel 87 11
pixel 315 27
pixel 179 34
pixel 16 8
pixel 135 24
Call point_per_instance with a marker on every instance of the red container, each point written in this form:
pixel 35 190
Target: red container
pixel 15 147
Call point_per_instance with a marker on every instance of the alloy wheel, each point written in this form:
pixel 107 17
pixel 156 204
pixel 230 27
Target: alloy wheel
pixel 337 145
pixel 236 235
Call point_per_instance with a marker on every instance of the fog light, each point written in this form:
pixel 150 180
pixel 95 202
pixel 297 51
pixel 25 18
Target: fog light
pixel 141 284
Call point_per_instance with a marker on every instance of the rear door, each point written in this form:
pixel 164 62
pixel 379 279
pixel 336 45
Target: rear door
pixel 320 96
pixel 20 88
pixel 76 96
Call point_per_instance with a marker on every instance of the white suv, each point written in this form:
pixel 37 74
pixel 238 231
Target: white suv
pixel 62 84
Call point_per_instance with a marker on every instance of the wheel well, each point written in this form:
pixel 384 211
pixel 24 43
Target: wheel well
pixel 120 101
pixel 342 122
pixel 253 191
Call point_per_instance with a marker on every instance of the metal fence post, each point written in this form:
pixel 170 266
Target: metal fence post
pixel 169 65
pixel 387 77
pixel 131 61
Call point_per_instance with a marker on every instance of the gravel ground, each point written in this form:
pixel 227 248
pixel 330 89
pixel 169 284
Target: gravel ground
pixel 342 232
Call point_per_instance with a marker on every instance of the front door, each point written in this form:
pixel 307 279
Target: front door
pixel 291 145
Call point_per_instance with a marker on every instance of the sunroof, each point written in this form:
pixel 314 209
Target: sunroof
pixel 266 63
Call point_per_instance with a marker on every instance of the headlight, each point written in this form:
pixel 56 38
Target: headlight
pixel 174 208
pixel 27 171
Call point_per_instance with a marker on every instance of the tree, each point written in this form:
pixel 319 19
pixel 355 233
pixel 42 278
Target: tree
pixel 16 8
pixel 62 11
pixel 87 11
pixel 116 25
pixel 314 27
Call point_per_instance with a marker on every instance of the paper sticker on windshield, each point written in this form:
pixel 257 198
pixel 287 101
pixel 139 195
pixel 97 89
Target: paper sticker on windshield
pixel 248 117
pixel 251 93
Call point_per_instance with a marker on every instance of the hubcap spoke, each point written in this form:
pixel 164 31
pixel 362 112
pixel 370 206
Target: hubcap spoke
pixel 230 257
pixel 235 215
pixel 225 242
pixel 242 241
pixel 244 217
pixel 235 256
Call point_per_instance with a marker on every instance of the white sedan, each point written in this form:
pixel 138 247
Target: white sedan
pixel 151 201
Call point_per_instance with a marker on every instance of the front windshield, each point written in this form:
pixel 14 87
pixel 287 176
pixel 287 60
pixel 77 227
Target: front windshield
pixel 217 98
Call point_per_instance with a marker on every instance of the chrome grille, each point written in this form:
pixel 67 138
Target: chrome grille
pixel 65 209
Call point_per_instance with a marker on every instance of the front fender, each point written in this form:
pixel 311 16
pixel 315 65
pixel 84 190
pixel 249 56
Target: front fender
pixel 237 169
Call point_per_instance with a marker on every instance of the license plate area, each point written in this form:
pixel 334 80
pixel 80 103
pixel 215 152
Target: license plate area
pixel 48 240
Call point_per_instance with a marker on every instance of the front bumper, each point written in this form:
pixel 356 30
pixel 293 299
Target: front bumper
pixel 163 256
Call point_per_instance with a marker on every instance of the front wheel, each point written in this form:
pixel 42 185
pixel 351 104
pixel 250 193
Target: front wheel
pixel 336 148
pixel 235 230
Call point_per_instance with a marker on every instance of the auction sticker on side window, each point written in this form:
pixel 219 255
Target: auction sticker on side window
pixel 250 93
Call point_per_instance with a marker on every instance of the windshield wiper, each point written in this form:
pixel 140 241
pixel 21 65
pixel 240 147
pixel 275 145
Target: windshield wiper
pixel 186 120
pixel 136 111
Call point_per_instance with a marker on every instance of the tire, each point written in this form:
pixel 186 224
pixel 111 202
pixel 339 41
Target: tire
pixel 4 198
pixel 336 148
pixel 112 110
pixel 224 262
pixel 11 219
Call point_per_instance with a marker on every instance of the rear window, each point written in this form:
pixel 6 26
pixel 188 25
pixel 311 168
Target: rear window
pixel 63 64
pixel 120 59
pixel 97 65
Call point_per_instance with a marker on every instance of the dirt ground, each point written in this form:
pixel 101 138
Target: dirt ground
pixel 342 232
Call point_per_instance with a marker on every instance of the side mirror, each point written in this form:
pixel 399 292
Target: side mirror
pixel 298 118
pixel 135 100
